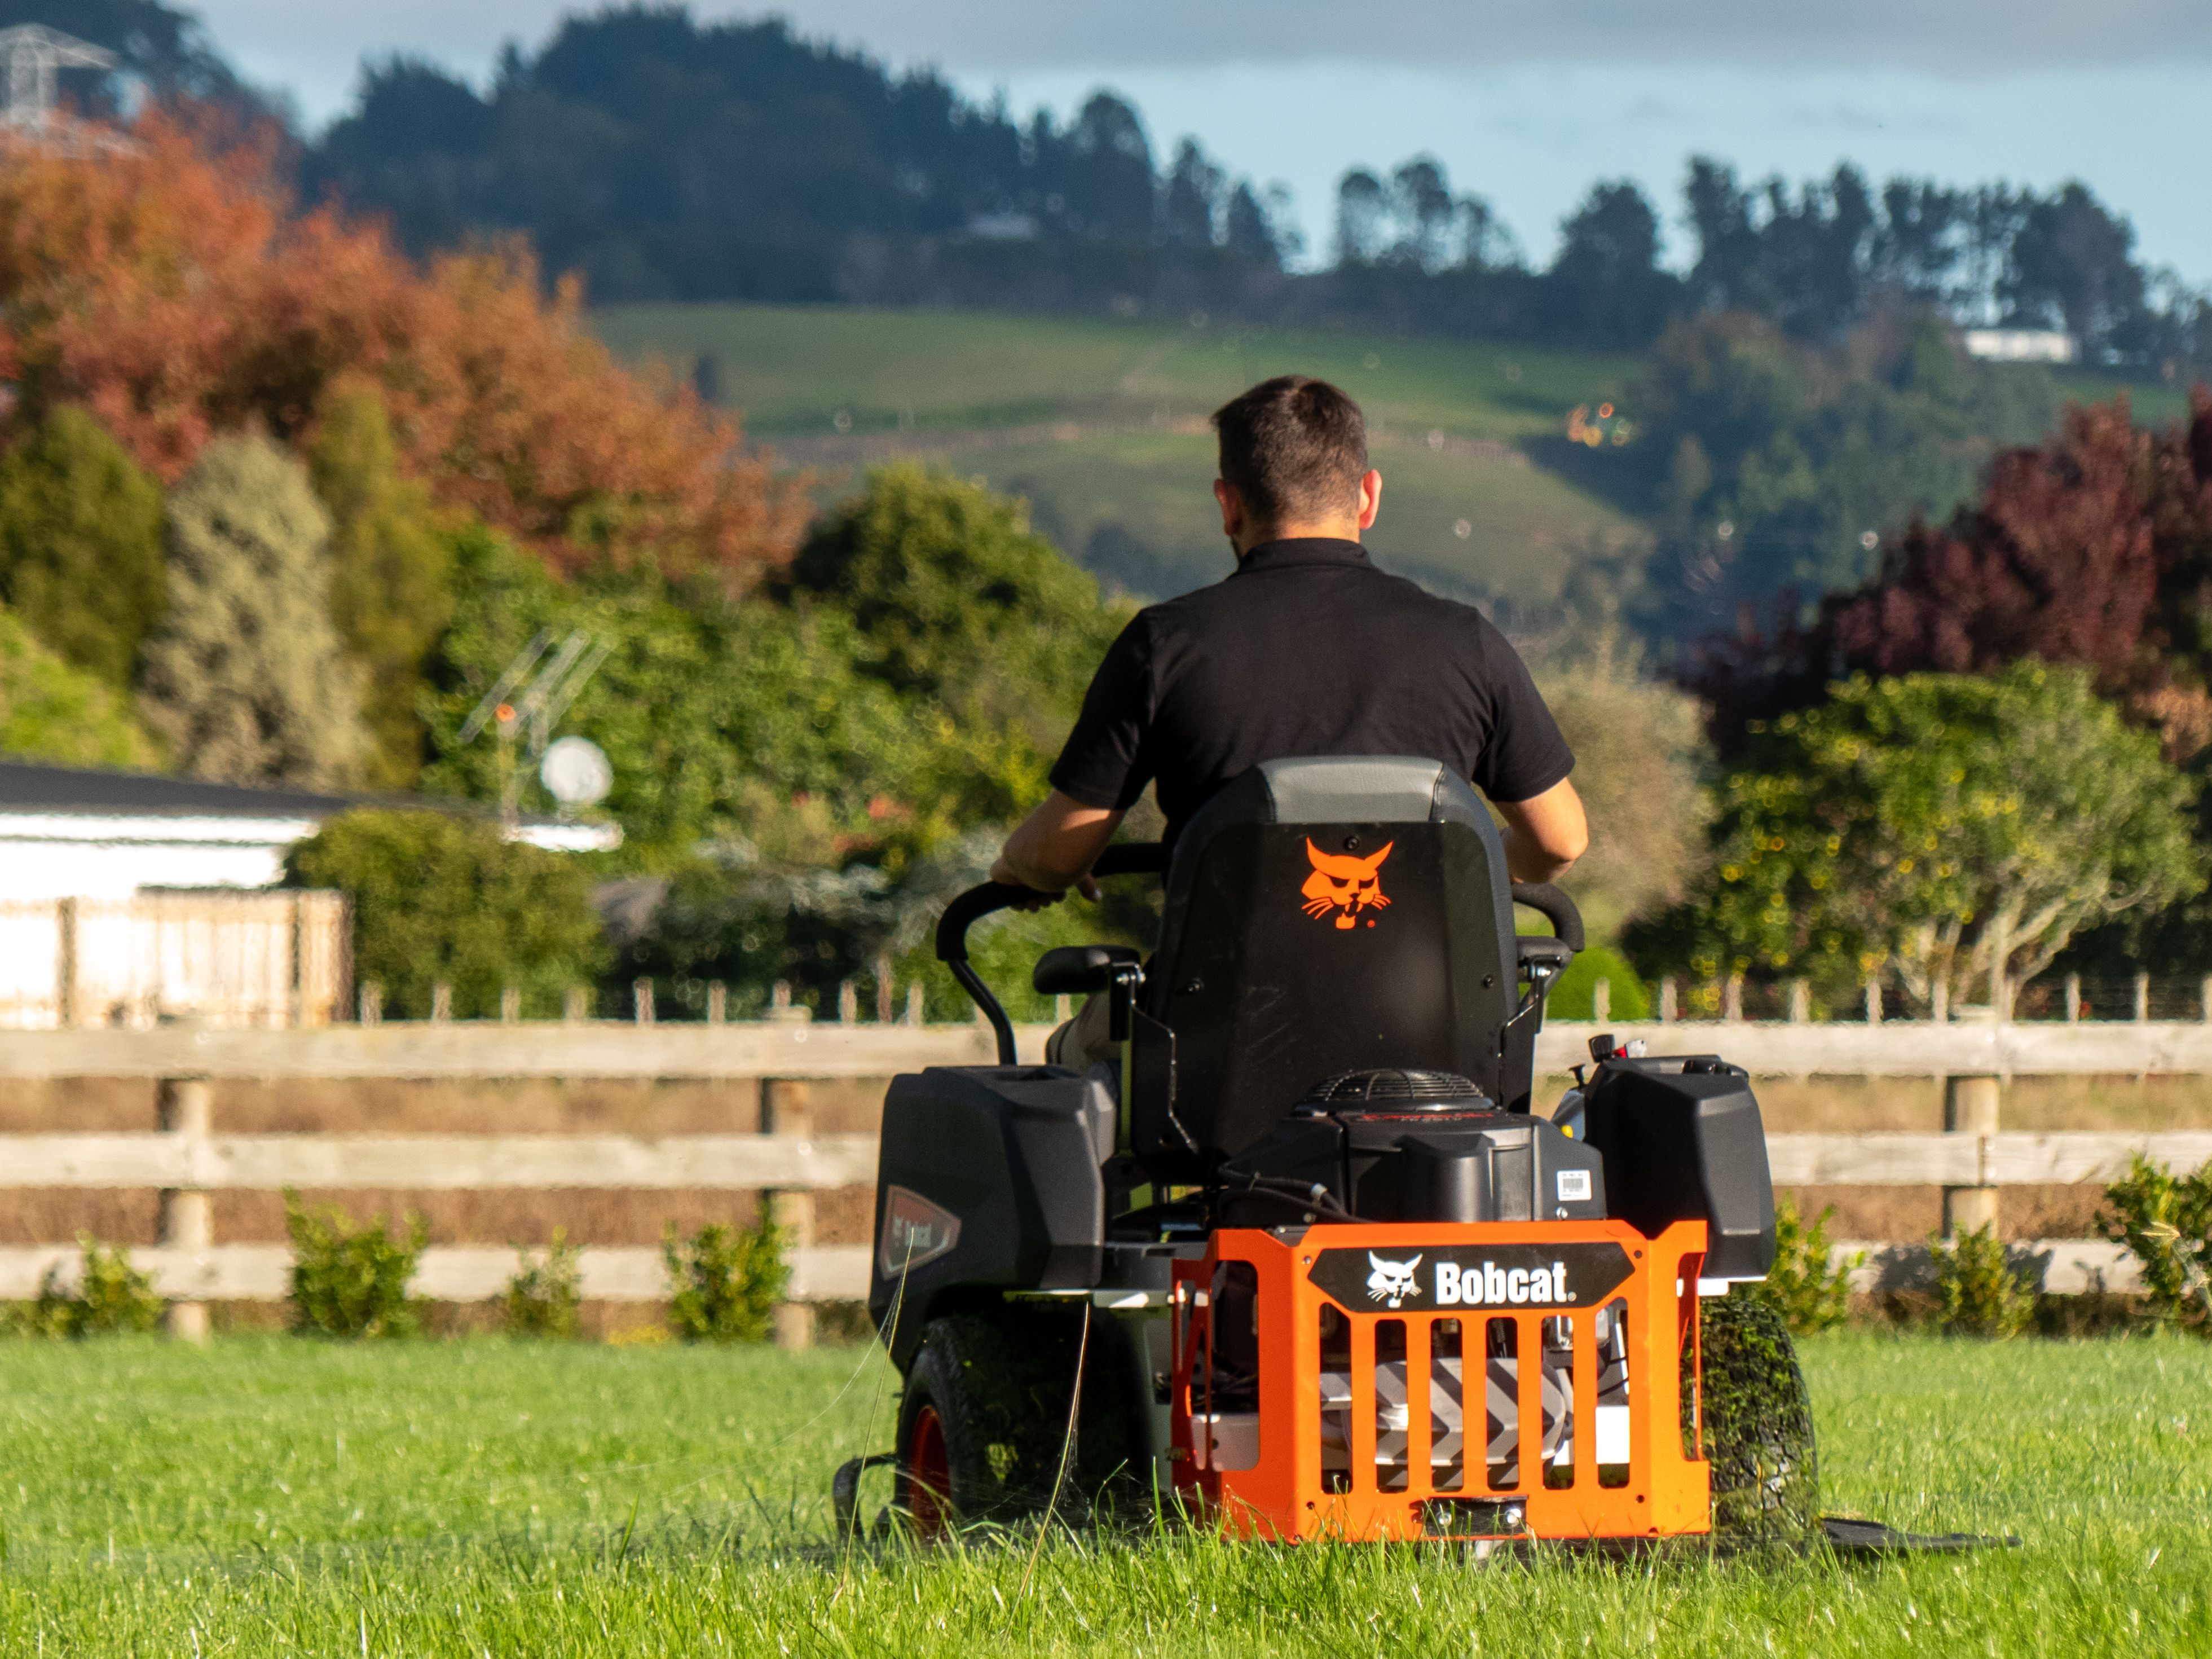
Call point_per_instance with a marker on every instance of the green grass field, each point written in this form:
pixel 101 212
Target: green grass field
pixel 1101 426
pixel 271 1496
pixel 793 369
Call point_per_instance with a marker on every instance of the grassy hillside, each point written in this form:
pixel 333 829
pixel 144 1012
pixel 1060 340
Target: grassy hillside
pixel 1102 425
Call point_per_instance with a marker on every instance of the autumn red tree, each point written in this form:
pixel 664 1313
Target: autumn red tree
pixel 2094 547
pixel 171 288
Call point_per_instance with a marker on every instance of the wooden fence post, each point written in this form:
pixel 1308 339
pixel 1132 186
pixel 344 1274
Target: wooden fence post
pixel 1874 1001
pixel 1939 1000
pixel 184 1108
pixel 1601 1001
pixel 718 1003
pixel 1732 1000
pixel 913 1004
pixel 442 1004
pixel 641 996
pixel 510 1005
pixel 2143 997
pixel 849 1002
pixel 886 1005
pixel 576 1004
pixel 787 1108
pixel 1667 1001
pixel 372 1003
pixel 1969 1107
pixel 2073 999
pixel 1801 1002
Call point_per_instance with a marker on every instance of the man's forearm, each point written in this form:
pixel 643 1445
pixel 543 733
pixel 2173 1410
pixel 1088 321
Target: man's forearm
pixel 1545 834
pixel 1055 845
pixel 1526 861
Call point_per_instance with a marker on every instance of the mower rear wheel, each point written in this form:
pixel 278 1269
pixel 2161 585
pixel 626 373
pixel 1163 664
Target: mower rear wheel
pixel 982 1422
pixel 1758 1422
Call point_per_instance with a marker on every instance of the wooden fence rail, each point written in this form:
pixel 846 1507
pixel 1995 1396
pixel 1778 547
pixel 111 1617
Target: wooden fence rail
pixel 192 1162
pixel 799 1049
pixel 749 1162
pixel 187 1161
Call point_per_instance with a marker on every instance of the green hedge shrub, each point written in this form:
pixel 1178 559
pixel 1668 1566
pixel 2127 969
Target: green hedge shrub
pixel 724 1282
pixel 442 899
pixel 2166 1221
pixel 542 1299
pixel 351 1282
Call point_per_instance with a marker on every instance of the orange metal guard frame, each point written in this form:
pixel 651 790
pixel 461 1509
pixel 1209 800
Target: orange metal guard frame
pixel 1366 1342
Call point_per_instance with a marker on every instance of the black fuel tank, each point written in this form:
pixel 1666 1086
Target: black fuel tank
pixel 1682 1141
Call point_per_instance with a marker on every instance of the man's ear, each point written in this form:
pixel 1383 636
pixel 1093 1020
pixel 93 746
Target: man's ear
pixel 1232 508
pixel 1371 499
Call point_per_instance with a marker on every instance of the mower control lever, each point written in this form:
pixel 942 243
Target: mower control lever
pixel 1556 907
pixel 1129 858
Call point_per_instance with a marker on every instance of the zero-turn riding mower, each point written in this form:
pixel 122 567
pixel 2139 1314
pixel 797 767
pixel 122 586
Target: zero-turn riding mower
pixel 1303 1258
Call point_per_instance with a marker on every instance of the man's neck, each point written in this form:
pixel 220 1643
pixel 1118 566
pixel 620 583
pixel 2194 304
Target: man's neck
pixel 1345 530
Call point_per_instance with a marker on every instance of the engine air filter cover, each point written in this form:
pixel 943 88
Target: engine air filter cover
pixel 1392 1092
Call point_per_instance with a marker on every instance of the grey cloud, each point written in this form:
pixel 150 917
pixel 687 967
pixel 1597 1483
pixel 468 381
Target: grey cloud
pixel 1956 36
pixel 985 37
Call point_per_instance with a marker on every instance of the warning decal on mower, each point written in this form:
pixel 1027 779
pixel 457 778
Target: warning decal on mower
pixel 1577 1275
pixel 915 1230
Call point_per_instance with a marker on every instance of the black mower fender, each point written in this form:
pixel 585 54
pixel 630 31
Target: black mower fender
pixel 1682 1140
pixel 988 1179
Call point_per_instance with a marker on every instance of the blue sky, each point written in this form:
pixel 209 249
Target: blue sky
pixel 1526 104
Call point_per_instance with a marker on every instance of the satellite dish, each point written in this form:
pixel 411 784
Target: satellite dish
pixel 575 772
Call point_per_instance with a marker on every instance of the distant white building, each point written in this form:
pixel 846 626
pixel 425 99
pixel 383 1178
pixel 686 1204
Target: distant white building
pixel 127 898
pixel 2021 345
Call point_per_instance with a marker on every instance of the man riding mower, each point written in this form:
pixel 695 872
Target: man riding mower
pixel 1298 1255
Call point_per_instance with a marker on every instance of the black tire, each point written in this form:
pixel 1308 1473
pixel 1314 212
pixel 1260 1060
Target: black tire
pixel 1758 1426
pixel 999 1387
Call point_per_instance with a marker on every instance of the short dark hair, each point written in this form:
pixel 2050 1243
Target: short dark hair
pixel 1294 447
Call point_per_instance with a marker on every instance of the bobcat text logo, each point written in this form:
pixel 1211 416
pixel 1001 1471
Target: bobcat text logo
pixel 1488 1284
pixel 1344 884
pixel 1392 1281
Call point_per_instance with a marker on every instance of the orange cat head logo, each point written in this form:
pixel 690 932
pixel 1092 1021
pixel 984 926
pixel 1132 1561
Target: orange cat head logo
pixel 1344 884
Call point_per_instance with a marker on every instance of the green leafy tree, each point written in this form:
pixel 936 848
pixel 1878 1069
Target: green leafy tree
pixel 959 599
pixel 1639 764
pixel 390 576
pixel 439 899
pixel 81 543
pixel 720 714
pixel 1778 463
pixel 1947 825
pixel 50 711
pixel 245 678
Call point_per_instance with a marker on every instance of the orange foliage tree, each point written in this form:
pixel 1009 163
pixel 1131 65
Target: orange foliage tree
pixel 170 286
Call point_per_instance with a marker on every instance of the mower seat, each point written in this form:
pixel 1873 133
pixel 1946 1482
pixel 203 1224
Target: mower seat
pixel 1323 916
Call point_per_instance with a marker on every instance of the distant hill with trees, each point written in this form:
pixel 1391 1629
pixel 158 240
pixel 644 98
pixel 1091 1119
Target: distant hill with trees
pixel 667 158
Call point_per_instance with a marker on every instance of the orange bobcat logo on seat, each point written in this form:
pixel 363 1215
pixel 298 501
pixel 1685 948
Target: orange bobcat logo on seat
pixel 1344 884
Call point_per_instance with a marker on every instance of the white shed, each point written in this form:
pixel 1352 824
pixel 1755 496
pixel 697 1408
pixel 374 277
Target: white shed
pixel 126 898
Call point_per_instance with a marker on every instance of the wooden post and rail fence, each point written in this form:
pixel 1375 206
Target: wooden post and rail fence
pixel 786 1162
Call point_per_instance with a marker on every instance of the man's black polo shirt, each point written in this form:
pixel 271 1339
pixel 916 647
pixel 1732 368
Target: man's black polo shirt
pixel 1307 649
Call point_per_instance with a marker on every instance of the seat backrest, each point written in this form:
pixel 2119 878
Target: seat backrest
pixel 1323 915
